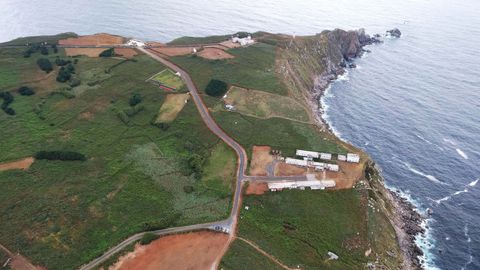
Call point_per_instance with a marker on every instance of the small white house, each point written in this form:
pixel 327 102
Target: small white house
pixel 342 157
pixel 243 41
pixel 304 153
pixel 354 158
pixel 135 43
pixel 178 74
pixel 332 167
pixel 325 156
pixel 229 107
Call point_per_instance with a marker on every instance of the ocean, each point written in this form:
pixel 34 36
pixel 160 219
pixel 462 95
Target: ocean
pixel 412 103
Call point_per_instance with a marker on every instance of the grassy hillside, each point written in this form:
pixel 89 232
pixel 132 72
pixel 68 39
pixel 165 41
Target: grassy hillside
pixel 53 39
pixel 241 256
pixel 137 176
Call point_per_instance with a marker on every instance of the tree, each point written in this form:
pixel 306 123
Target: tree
pixel 62 62
pixel 25 91
pixel 45 64
pixel 9 111
pixel 216 88
pixel 60 155
pixel 54 47
pixel 44 50
pixel 63 75
pixel 135 99
pixel 107 53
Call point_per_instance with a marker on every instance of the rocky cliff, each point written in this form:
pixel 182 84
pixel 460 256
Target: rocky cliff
pixel 308 65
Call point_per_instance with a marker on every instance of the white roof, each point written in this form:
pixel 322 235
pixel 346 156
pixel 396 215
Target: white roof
pixel 301 184
pixel 305 153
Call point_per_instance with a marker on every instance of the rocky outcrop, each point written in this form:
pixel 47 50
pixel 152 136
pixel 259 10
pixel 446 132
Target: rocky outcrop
pixel 394 33
pixel 309 64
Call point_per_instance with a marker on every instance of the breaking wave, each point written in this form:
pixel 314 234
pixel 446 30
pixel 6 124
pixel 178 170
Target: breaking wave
pixel 428 176
pixel 461 153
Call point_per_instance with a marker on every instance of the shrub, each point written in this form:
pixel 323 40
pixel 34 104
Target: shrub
pixel 74 82
pixel 55 49
pixel 147 238
pixel 25 91
pixel 107 53
pixel 135 99
pixel 62 62
pixel 9 111
pixel 216 88
pixel 44 50
pixel 45 64
pixel 60 155
pixel 63 75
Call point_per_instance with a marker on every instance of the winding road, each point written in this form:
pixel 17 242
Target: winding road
pixel 228 225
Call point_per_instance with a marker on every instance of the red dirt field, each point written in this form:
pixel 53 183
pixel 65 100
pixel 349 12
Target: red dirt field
pixel 18 262
pixel 348 175
pixel 126 52
pixel 95 40
pixel 90 52
pixel 284 169
pixel 22 164
pixel 260 159
pixel 174 51
pixel 196 250
pixel 256 188
pixel 214 53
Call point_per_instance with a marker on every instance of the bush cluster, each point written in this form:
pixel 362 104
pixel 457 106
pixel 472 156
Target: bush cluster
pixel 62 62
pixel 45 64
pixel 35 47
pixel 25 91
pixel 7 100
pixel 216 88
pixel 135 99
pixel 60 155
pixel 65 73
pixel 107 53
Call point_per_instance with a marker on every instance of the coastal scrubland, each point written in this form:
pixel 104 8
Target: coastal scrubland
pixel 136 176
pixel 296 227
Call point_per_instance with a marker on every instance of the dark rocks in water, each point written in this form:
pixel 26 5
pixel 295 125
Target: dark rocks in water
pixel 394 33
pixel 352 65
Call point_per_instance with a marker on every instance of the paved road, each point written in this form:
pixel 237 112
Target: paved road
pixel 212 125
pixel 226 226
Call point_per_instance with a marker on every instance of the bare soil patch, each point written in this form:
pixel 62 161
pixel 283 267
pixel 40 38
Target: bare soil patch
pixel 174 51
pixel 101 39
pixel 348 175
pixel 170 108
pixel 196 250
pixel 261 158
pixel 284 169
pixel 90 52
pixel 214 54
pixel 126 52
pixel 256 188
pixel 22 164
pixel 230 44
pixel 18 262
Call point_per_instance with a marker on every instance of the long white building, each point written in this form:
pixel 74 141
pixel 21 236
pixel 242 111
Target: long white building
pixel 312 184
pixel 304 153
pixel 355 158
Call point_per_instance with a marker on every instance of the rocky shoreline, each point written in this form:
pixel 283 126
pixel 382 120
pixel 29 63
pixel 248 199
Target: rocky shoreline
pixel 404 217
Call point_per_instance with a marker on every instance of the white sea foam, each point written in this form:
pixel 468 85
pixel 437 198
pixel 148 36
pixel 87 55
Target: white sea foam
pixel 461 153
pixel 428 176
pixel 469 261
pixel 423 139
pixel 450 141
pixel 465 190
pixel 473 183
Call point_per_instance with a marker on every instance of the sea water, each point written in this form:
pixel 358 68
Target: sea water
pixel 413 103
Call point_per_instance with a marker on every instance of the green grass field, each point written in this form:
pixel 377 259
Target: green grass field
pixel 63 214
pixel 265 105
pixel 253 67
pixel 168 78
pixel 198 40
pixel 241 256
pixel 300 227
pixel 281 134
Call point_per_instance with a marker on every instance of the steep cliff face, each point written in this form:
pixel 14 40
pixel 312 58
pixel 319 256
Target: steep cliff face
pixel 308 64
